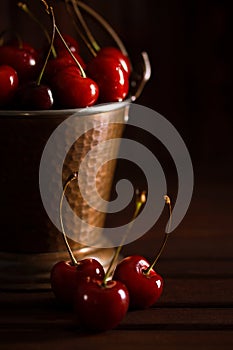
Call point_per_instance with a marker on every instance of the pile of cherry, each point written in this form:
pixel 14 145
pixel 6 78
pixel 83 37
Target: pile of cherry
pixel 100 303
pixel 100 299
pixel 58 77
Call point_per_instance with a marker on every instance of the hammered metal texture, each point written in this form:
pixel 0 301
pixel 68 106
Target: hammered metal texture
pixel 25 225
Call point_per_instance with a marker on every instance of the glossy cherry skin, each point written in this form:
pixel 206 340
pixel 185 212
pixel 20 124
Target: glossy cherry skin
pixel 65 277
pixel 100 308
pixel 117 54
pixel 55 65
pixel 23 45
pixel 59 63
pixel 31 96
pixel 8 84
pixel 67 55
pixel 73 91
pixel 70 41
pixel 22 60
pixel 144 290
pixel 112 80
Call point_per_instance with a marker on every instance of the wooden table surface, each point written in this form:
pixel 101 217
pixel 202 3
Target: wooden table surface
pixel 194 312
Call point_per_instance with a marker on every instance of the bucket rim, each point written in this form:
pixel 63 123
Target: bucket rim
pixel 98 108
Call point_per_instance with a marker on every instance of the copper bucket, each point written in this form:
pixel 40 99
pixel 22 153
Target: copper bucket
pixel 30 242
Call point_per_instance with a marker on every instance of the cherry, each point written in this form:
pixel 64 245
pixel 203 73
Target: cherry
pixel 75 55
pixel 21 59
pixel 71 86
pixel 8 84
pixel 60 62
pixel 100 306
pixel 111 78
pixel 57 64
pixel 114 52
pixel 65 277
pixel 110 68
pixel 73 90
pixel 70 41
pixel 145 286
pixel 23 45
pixel 32 95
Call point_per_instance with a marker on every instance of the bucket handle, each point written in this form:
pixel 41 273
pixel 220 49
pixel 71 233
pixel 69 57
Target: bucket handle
pixel 139 80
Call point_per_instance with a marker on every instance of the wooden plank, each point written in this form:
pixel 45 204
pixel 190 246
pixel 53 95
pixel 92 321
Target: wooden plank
pixel 42 312
pixel 196 268
pixel 197 292
pixel 179 319
pixel 192 292
pixel 117 339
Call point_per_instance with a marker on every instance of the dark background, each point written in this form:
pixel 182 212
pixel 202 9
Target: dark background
pixel 190 48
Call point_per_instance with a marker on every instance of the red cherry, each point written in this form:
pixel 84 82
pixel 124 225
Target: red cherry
pixel 23 45
pixel 65 277
pixel 70 41
pixel 66 54
pixel 111 78
pixel 117 54
pixel 56 64
pixel 31 96
pixel 8 84
pixel 144 289
pixel 22 60
pixel 100 307
pixel 74 91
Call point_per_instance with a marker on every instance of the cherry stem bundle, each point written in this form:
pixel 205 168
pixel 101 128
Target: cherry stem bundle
pixel 140 200
pixel 73 177
pixel 23 6
pixel 106 26
pixel 90 37
pixel 85 40
pixel 50 11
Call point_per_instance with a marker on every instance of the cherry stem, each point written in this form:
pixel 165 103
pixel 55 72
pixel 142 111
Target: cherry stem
pixel 50 48
pixel 86 42
pixel 140 200
pixel 148 270
pixel 113 34
pixel 49 10
pixel 91 38
pixel 73 177
pixel 26 9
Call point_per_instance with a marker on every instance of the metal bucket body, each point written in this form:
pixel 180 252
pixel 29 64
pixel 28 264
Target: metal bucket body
pixel 30 242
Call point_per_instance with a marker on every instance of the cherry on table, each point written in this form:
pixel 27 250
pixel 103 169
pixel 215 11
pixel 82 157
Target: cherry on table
pixel 65 277
pixel 144 284
pixel 8 84
pixel 98 306
pixel 144 288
